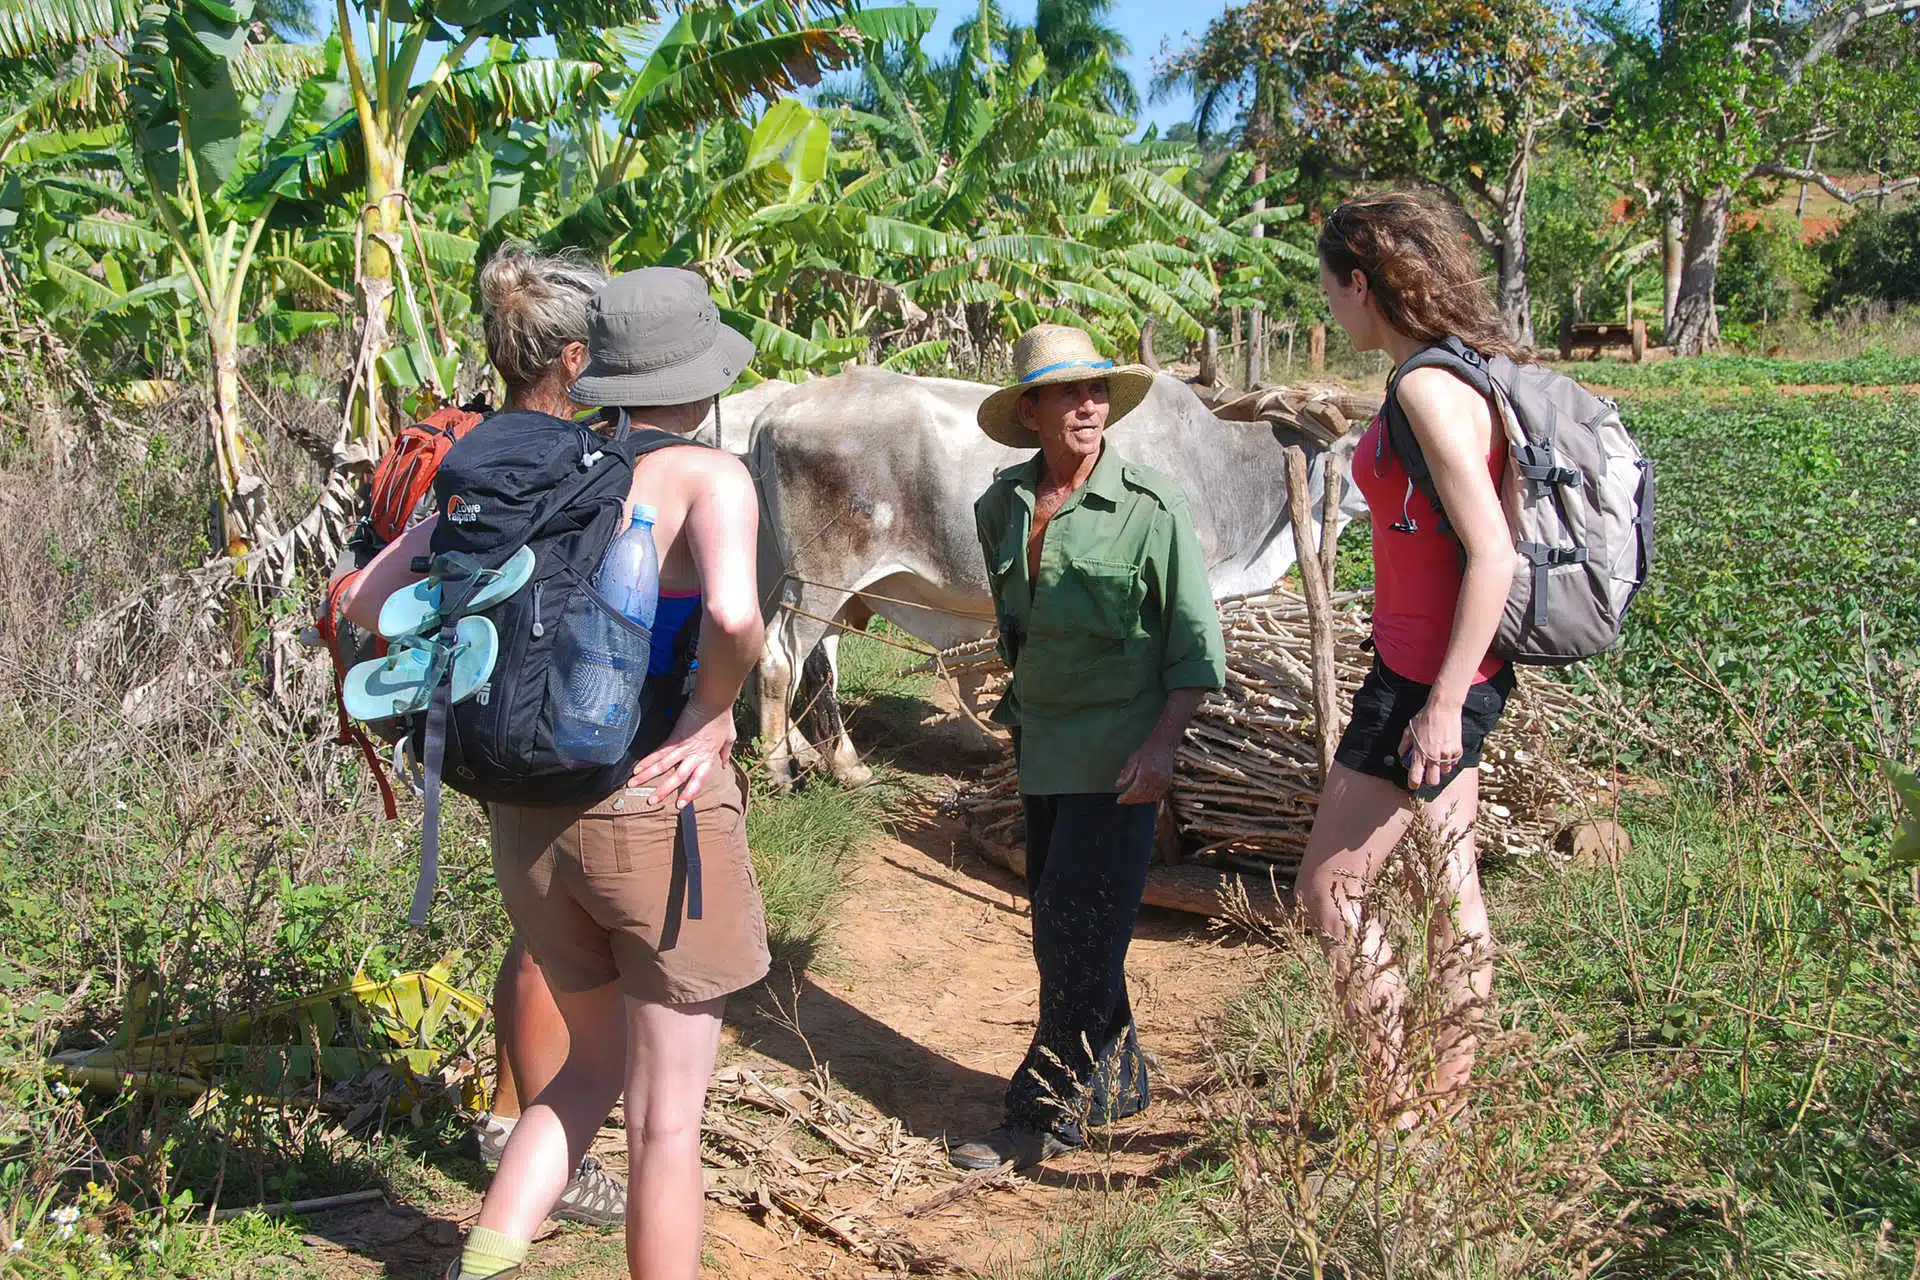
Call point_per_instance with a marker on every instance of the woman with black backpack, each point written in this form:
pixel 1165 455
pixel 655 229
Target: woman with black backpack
pixel 1400 277
pixel 636 896
pixel 534 311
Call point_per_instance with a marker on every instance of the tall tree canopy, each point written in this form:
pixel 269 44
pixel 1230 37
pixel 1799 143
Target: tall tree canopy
pixel 1716 100
pixel 1456 96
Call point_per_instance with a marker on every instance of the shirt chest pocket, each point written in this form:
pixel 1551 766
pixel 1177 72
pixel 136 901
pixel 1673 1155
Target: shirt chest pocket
pixel 1100 598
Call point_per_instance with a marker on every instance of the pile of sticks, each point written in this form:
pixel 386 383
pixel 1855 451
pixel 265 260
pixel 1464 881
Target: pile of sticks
pixel 1248 774
pixel 795 1149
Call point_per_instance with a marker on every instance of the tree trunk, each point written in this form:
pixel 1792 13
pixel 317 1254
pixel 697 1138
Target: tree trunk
pixel 1695 326
pixel 380 227
pixel 229 447
pixel 1516 304
pixel 1671 249
pixel 244 519
pixel 1257 322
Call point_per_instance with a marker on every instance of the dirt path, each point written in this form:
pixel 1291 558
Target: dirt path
pixel 921 1004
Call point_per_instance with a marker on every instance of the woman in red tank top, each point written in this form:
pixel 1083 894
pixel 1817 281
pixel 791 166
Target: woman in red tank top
pixel 1399 276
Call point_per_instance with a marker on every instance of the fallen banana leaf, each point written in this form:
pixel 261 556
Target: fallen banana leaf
pixel 409 1024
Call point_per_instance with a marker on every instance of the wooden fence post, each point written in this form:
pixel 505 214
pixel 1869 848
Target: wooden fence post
pixel 1314 586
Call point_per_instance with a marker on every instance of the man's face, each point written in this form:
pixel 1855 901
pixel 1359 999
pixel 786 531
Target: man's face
pixel 1068 416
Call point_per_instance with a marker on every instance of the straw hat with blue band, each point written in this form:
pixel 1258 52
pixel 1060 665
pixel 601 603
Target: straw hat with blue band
pixel 1050 353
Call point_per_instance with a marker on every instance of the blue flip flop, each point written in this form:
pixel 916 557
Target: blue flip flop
pixel 415 610
pixel 397 685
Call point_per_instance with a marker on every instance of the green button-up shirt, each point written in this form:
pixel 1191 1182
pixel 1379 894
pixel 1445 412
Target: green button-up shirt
pixel 1122 612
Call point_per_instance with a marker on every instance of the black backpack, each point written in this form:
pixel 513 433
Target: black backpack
pixel 559 488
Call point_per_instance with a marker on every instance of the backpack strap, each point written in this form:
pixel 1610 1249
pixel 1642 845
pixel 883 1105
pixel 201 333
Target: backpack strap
pixel 435 754
pixel 1465 363
pixel 351 733
pixel 684 896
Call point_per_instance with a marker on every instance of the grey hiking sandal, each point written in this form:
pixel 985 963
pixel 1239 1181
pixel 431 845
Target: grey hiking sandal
pixel 486 1141
pixel 511 1273
pixel 594 1197
pixel 1020 1147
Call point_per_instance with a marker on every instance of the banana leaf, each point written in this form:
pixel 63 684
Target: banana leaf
pixel 408 1023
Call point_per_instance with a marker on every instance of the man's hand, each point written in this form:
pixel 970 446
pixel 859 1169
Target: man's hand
pixel 1148 773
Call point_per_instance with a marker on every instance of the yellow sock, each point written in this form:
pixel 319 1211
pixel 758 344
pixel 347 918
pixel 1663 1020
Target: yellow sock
pixel 488 1254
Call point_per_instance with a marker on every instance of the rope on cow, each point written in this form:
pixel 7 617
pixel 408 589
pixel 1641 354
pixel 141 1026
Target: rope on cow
pixel 791 576
pixel 939 666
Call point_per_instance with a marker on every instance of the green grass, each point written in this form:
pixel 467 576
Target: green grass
pixel 1875 369
pixel 1706 978
pixel 803 846
pixel 1723 1028
pixel 225 870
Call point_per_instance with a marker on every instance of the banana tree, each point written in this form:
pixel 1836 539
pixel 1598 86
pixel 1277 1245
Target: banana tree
pixel 415 101
pixel 756 207
pixel 715 57
pixel 660 87
pixel 194 81
pixel 1063 217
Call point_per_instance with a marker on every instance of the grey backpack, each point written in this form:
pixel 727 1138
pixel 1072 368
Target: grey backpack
pixel 1578 495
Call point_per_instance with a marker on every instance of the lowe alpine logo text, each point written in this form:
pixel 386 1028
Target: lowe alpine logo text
pixel 460 511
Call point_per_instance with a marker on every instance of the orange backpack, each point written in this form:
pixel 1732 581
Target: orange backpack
pixel 400 492
pixel 404 477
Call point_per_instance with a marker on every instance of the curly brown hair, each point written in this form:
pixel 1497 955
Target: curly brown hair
pixel 1420 266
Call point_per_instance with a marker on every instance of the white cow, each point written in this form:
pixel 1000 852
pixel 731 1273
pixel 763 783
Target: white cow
pixel 868 480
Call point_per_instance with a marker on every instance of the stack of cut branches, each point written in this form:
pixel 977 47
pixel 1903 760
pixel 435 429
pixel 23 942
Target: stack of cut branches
pixel 1248 771
pixel 796 1148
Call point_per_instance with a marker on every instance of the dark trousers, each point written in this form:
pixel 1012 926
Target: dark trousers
pixel 1087 859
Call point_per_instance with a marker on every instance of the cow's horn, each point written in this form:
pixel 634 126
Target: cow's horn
pixel 1147 357
pixel 1210 358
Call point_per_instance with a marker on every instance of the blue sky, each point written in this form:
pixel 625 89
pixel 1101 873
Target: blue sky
pixel 1147 26
pixel 1145 23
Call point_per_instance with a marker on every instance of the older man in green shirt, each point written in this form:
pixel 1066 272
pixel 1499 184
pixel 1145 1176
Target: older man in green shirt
pixel 1107 622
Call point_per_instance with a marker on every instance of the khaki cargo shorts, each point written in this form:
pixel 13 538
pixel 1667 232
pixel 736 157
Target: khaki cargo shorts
pixel 591 892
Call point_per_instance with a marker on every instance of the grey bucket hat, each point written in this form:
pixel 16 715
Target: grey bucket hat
pixel 654 337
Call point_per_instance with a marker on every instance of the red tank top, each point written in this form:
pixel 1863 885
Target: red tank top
pixel 1416 575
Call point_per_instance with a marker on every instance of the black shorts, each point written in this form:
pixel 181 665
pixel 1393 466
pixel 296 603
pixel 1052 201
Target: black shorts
pixel 1386 703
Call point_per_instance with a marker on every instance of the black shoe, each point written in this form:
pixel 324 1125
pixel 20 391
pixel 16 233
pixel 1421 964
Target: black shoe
pixel 1022 1148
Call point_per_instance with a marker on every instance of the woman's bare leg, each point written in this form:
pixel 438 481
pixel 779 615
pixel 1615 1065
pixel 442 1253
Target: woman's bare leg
pixel 670 1060
pixel 530 1036
pixel 555 1132
pixel 1359 821
pixel 1459 939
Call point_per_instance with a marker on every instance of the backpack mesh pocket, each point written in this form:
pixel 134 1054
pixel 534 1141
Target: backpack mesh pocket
pixel 598 679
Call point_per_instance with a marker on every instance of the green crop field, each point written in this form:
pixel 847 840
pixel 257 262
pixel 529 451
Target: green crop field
pixel 1704 1060
pixel 1873 370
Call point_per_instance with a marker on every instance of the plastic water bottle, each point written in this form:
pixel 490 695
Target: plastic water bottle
pixel 606 671
pixel 630 575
